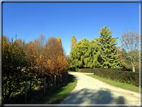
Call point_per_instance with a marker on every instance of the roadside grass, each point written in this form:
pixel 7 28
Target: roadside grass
pixel 57 95
pixel 53 96
pixel 126 86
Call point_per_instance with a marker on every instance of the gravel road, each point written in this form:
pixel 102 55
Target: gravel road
pixel 92 91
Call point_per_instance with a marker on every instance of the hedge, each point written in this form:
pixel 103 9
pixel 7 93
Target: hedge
pixel 121 76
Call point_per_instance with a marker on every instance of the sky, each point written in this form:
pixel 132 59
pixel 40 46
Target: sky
pixel 29 20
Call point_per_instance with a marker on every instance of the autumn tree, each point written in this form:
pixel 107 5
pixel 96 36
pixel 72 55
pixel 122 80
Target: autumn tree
pixel 108 48
pixel 59 39
pixel 73 41
pixel 130 42
pixel 13 60
pixel 39 45
pixel 54 47
pixel 56 62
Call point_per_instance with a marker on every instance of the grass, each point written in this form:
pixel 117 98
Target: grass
pixel 57 95
pixel 126 86
pixel 53 96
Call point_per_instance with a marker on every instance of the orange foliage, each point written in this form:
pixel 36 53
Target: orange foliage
pixel 56 66
pixel 55 63
pixel 120 56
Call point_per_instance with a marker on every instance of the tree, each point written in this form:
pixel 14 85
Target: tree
pixel 130 42
pixel 59 39
pixel 54 47
pixel 85 54
pixel 12 57
pixel 39 45
pixel 73 41
pixel 108 48
pixel 49 57
pixel 56 63
pixel 77 53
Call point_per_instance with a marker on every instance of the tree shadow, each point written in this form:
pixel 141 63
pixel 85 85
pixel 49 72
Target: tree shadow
pixel 89 96
pixel 37 96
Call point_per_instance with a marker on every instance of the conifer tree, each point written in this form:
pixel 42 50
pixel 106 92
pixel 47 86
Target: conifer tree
pixel 85 54
pixel 108 51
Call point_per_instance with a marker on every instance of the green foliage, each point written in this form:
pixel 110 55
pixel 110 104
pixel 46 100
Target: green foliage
pixel 86 70
pixel 117 75
pixel 76 69
pixel 79 70
pixel 85 54
pixel 109 56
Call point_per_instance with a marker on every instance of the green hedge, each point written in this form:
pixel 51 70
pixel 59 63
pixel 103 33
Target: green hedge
pixel 121 76
pixel 86 70
pixel 120 69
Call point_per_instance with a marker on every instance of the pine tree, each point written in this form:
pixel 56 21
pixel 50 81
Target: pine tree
pixel 108 51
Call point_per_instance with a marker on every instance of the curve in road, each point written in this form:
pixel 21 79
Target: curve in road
pixel 92 91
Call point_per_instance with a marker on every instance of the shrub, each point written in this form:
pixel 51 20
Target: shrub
pixel 121 76
pixel 76 69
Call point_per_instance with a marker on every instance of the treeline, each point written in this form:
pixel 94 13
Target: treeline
pixel 102 52
pixel 24 61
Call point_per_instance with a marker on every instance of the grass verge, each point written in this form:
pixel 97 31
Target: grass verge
pixel 56 95
pixel 126 86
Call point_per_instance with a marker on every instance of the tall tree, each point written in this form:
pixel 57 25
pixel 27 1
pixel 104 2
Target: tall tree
pixel 57 62
pixel 73 41
pixel 12 57
pixel 55 47
pixel 39 45
pixel 108 48
pixel 59 39
pixel 85 54
pixel 130 42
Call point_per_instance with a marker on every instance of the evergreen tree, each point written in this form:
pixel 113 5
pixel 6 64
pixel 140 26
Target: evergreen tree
pixel 95 49
pixel 85 54
pixel 108 51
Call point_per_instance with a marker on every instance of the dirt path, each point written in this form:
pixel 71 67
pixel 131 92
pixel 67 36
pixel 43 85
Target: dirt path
pixel 92 91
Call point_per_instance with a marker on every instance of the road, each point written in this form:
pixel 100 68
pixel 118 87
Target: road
pixel 93 91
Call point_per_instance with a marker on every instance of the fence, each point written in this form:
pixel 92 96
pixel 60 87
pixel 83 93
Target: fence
pixel 47 84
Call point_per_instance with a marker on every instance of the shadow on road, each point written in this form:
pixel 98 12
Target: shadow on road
pixel 89 96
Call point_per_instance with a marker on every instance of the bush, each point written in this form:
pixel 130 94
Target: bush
pixel 121 76
pixel 79 70
pixel 86 70
pixel 72 68
pixel 76 69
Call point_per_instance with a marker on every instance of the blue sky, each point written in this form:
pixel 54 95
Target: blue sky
pixel 28 20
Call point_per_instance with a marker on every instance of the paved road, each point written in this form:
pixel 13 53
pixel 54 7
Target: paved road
pixel 92 91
